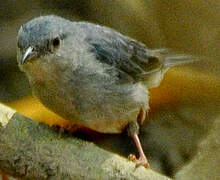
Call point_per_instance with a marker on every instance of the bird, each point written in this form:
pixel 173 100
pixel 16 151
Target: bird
pixel 92 75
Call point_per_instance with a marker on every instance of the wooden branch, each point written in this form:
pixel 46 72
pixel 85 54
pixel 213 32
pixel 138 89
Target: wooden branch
pixel 32 150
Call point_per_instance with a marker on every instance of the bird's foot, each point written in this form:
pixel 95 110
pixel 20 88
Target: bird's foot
pixel 141 161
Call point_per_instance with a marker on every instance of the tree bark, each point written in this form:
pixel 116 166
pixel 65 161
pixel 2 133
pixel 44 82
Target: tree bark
pixel 32 150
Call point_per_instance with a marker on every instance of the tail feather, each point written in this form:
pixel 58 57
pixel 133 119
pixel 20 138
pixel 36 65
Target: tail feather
pixel 170 59
pixel 178 59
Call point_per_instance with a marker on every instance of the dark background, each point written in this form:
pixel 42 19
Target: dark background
pixel 182 109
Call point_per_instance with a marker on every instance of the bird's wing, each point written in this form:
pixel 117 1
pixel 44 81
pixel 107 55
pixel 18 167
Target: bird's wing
pixel 131 58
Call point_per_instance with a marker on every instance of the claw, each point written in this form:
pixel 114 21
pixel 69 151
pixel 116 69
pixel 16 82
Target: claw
pixel 142 161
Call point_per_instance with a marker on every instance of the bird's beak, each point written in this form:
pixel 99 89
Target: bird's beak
pixel 29 53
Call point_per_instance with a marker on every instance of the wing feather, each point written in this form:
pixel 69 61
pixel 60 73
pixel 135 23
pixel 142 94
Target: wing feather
pixel 131 58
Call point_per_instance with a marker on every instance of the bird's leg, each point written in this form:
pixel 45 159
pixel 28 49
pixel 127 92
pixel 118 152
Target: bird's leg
pixel 133 129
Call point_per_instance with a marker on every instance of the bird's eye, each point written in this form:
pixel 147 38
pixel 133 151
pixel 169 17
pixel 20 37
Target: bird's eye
pixel 56 42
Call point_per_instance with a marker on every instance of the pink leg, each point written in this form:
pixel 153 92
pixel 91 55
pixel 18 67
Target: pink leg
pixel 133 129
pixel 142 160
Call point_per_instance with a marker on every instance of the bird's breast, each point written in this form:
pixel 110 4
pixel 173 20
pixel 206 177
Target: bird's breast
pixel 92 100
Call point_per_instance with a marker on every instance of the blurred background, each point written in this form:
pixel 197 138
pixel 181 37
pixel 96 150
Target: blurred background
pixel 183 108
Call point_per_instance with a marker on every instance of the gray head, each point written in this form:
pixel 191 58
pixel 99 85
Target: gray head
pixel 41 37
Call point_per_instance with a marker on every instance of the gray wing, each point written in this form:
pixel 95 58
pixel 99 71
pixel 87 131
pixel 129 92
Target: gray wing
pixel 132 59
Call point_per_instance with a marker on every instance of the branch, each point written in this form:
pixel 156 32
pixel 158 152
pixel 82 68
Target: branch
pixel 32 150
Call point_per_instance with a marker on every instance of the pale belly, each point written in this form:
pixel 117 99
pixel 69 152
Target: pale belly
pixel 102 111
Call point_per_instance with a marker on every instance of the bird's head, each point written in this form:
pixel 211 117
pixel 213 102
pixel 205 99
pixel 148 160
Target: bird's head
pixel 39 39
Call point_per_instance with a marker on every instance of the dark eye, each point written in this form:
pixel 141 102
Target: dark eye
pixel 56 42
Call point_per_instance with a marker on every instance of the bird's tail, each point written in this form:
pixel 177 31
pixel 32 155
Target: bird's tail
pixel 170 59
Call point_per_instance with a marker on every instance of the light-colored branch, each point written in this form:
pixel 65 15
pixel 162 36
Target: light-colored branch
pixel 31 150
